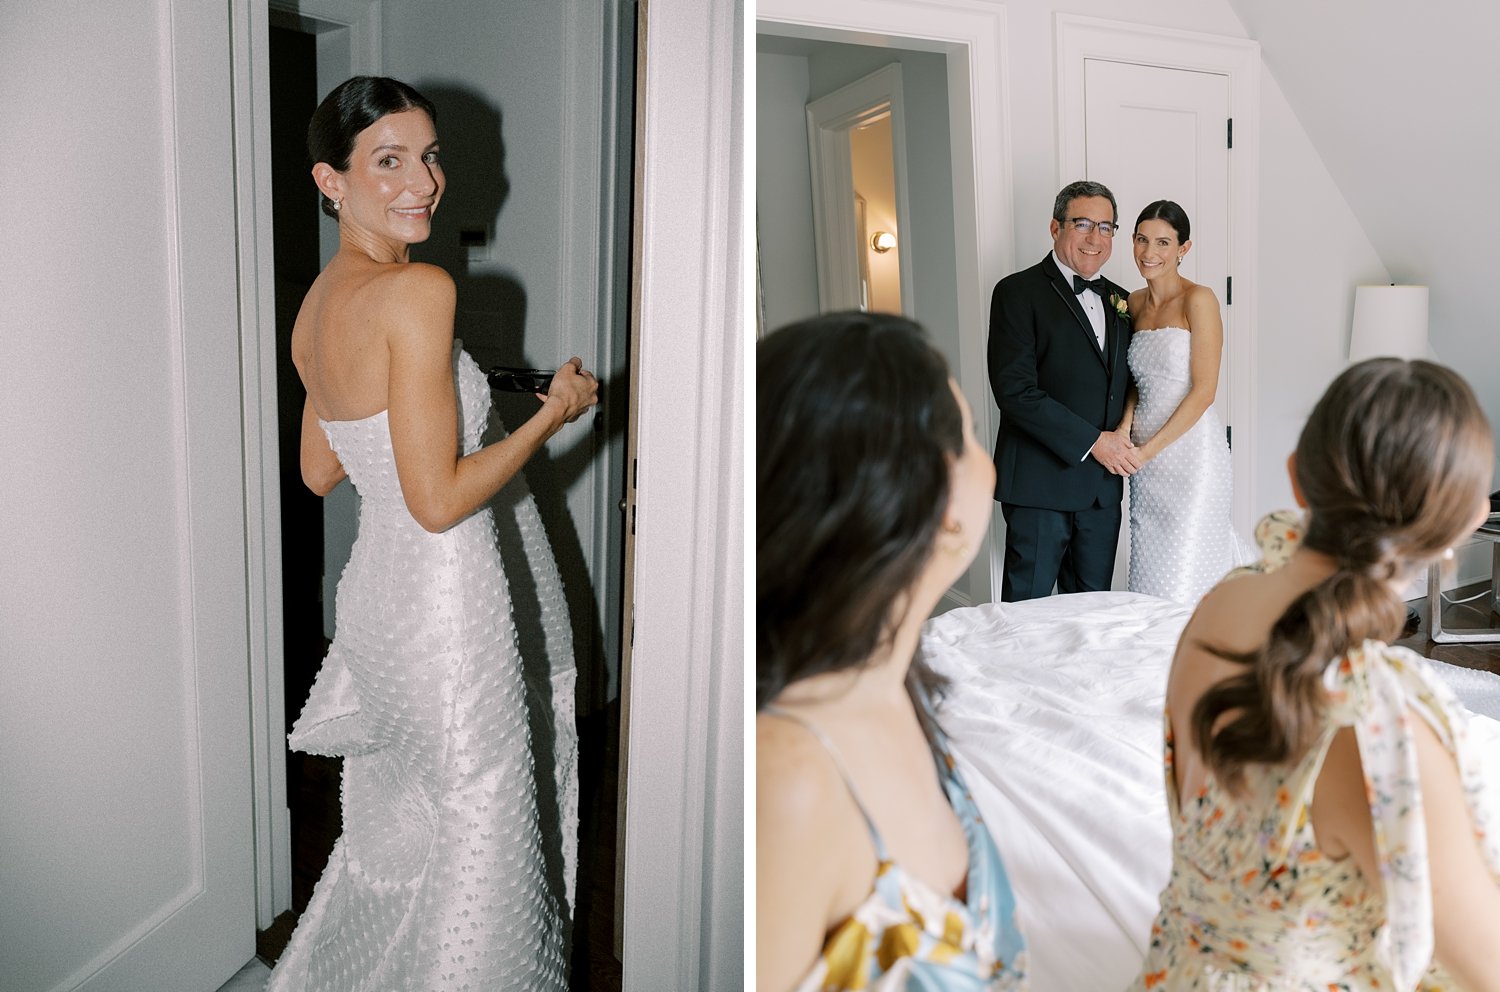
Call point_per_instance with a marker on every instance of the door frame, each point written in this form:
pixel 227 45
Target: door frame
pixel 1080 38
pixel 683 852
pixel 829 120
pixel 974 38
pixel 249 55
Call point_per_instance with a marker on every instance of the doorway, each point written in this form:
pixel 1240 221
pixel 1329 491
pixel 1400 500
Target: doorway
pixel 306 55
pixel 819 99
pixel 861 207
pixel 303 54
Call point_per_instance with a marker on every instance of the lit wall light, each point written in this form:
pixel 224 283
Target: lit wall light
pixel 883 241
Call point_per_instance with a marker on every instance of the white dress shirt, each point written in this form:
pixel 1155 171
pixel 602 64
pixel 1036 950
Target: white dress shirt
pixel 1093 303
pixel 1093 306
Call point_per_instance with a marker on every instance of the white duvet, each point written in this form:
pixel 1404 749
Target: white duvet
pixel 1054 712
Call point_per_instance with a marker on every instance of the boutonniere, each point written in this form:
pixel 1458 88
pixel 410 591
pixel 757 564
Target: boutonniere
pixel 1121 305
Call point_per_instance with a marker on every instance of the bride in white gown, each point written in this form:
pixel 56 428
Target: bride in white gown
pixel 1181 540
pixel 439 881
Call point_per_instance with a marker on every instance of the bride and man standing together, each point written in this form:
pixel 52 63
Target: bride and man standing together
pixel 1096 384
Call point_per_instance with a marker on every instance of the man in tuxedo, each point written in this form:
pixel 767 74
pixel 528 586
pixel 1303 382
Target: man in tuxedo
pixel 1057 364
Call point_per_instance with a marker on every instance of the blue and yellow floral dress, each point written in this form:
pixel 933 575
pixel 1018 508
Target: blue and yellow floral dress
pixel 907 937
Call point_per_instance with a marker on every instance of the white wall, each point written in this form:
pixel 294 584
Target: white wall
pixel 1313 252
pixel 519 90
pixel 1398 99
pixel 783 202
pixel 509 57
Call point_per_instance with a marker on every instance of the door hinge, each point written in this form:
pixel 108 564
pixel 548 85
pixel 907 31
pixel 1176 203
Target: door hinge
pixel 1229 133
pixel 1228 290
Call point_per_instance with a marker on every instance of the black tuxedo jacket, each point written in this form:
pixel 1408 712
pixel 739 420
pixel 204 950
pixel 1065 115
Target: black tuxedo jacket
pixel 1056 390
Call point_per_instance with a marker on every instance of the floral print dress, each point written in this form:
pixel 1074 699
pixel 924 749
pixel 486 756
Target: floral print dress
pixel 907 937
pixel 1252 903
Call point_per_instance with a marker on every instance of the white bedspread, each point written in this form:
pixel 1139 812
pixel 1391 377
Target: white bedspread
pixel 1055 714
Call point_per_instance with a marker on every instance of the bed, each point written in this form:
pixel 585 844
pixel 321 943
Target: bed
pixel 1054 711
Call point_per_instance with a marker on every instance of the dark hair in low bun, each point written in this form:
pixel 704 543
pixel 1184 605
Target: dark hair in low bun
pixel 1393 463
pixel 1171 213
pixel 855 427
pixel 354 105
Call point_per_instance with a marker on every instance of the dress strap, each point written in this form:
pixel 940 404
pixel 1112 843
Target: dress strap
pixel 838 763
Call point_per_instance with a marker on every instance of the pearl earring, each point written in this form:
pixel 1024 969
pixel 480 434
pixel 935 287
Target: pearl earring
pixel 338 204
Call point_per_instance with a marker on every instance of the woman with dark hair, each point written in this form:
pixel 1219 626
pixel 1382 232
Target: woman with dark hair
pixel 873 868
pixel 438 880
pixel 1181 540
pixel 1331 829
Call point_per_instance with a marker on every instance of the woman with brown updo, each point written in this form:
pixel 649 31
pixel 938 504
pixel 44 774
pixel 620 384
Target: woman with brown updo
pixel 1331 829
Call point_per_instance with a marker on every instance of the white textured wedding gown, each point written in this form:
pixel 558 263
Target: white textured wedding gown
pixel 440 880
pixel 1181 540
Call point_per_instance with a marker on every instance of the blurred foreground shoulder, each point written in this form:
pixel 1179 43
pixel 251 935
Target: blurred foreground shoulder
pixel 795 777
pixel 802 849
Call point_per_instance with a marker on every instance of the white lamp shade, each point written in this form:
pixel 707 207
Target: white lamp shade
pixel 1389 321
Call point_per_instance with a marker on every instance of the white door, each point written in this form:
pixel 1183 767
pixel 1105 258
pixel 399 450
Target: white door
pixel 126 862
pixel 1154 133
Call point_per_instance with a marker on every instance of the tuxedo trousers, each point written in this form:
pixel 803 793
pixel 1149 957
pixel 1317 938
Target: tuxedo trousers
pixel 1073 550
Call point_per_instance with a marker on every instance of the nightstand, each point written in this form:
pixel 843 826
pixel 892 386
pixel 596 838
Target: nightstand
pixel 1488 531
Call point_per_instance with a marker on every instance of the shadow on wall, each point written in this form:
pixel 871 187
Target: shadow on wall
pixel 491 319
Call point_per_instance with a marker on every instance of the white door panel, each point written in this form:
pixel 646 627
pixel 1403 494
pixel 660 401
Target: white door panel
pixel 126 862
pixel 1154 133
pixel 1161 134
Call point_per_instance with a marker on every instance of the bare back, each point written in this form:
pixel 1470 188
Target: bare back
pixel 1465 897
pixel 1237 616
pixel 340 342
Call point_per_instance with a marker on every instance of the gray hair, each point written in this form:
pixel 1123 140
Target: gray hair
pixel 1073 191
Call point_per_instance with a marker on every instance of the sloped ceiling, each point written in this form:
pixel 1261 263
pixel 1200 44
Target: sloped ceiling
pixel 1399 98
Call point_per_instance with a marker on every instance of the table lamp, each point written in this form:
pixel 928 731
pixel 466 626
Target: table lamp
pixel 1389 321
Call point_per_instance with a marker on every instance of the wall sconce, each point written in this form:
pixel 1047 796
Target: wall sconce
pixel 883 241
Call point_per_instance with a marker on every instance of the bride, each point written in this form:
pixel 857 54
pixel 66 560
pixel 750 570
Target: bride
pixel 438 880
pixel 1181 541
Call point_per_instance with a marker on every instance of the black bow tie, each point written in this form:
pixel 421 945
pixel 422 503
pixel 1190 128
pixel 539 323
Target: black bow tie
pixel 1096 284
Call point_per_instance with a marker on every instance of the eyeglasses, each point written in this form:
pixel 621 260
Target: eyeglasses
pixel 1083 226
